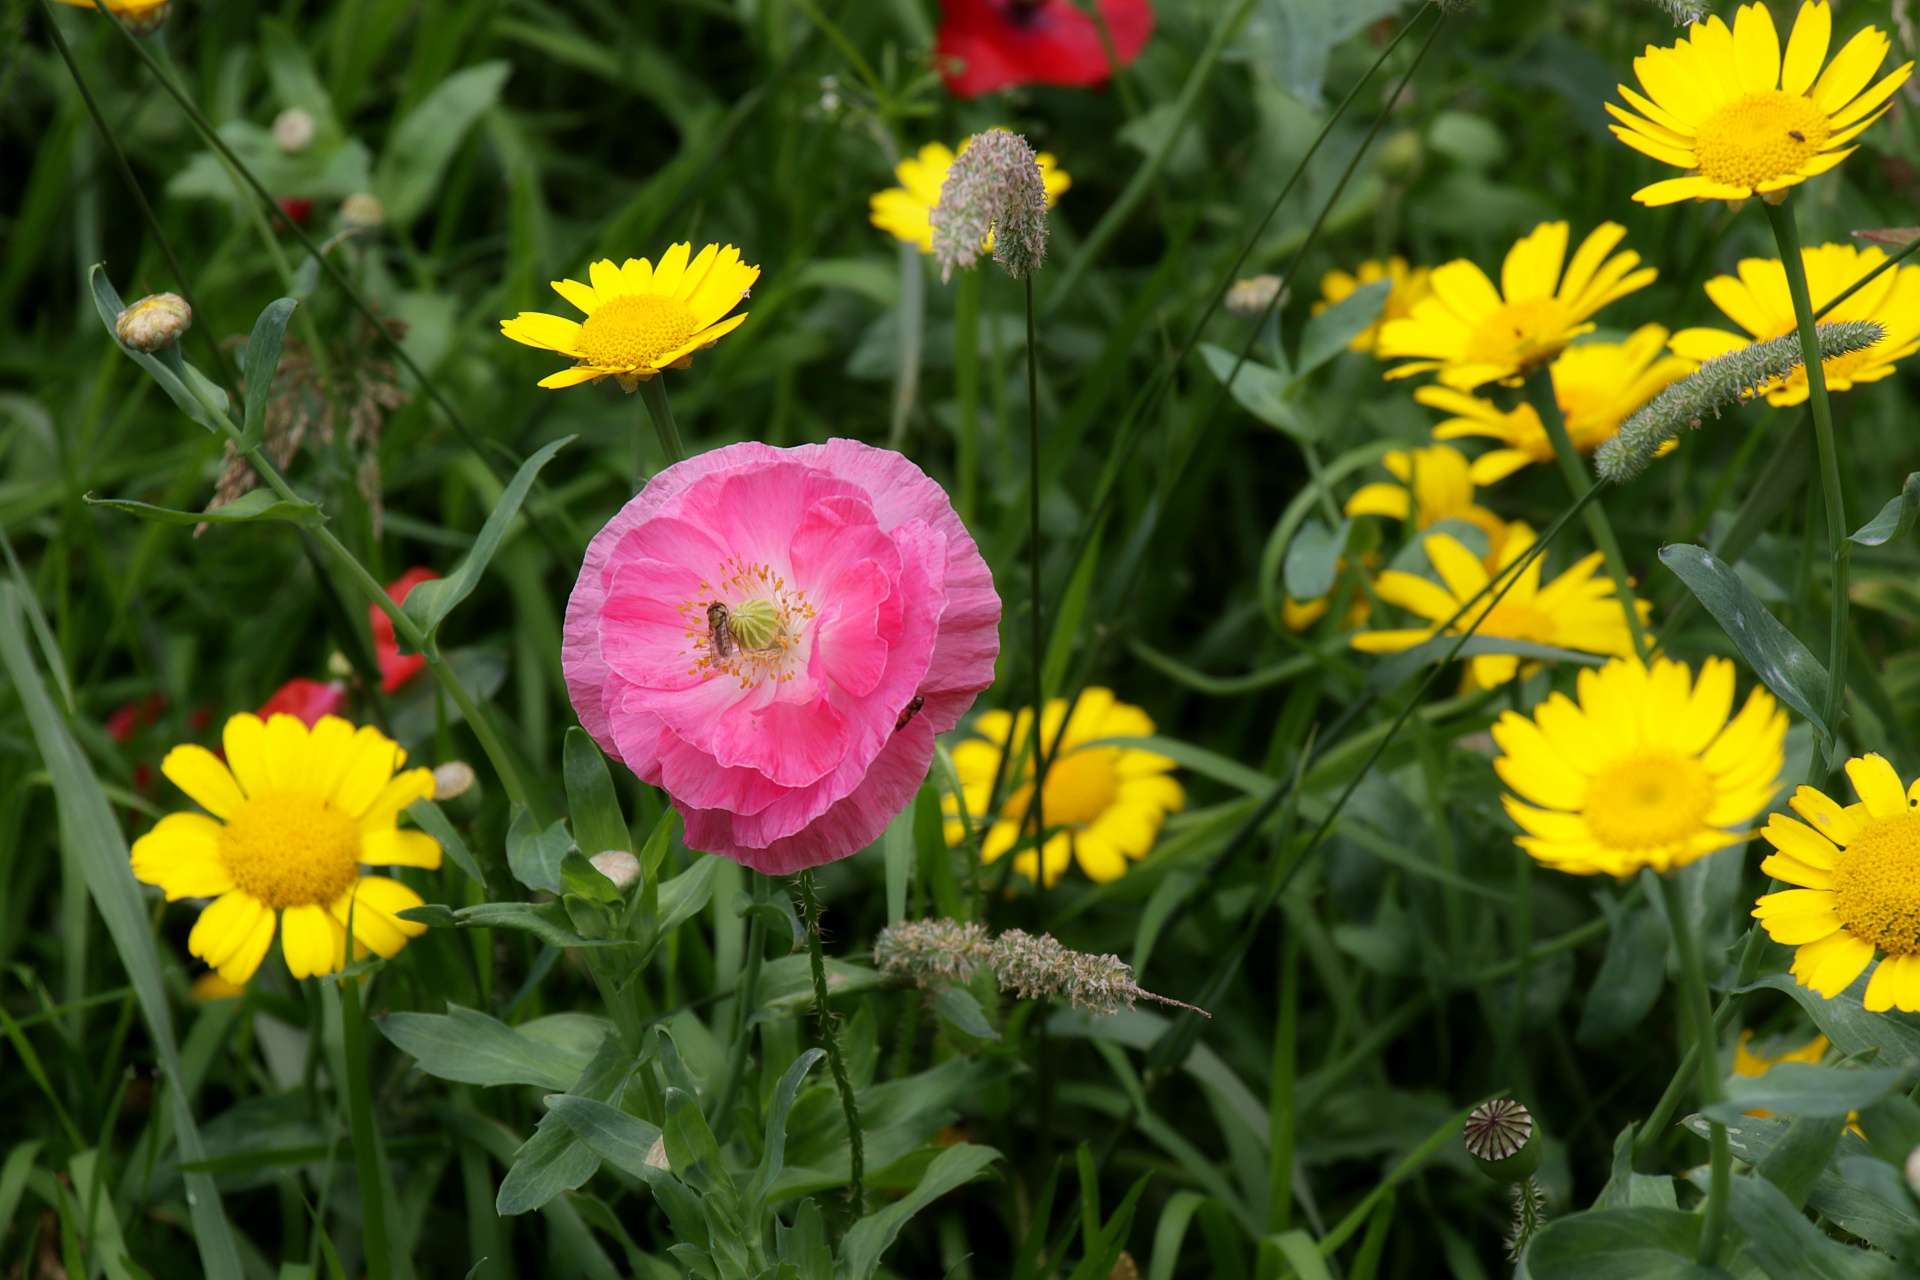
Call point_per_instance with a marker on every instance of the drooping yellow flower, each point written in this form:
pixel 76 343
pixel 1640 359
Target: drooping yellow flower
pixel 1646 771
pixel 1858 867
pixel 1472 333
pixel 640 318
pixel 1577 610
pixel 1436 483
pixel 1741 120
pixel 1104 805
pixel 294 814
pixel 1410 285
pixel 1597 384
pixel 1758 301
pixel 904 212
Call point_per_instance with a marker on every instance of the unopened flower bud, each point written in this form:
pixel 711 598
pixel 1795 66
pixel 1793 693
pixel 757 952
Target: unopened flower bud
pixel 154 323
pixel 1251 298
pixel 363 211
pixel 1503 1140
pixel 1400 156
pixel 293 131
pixel 618 866
pixel 657 1153
pixel 452 780
pixel 1913 1170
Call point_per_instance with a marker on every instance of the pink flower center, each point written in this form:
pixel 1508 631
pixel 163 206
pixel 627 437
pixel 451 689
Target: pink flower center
pixel 756 638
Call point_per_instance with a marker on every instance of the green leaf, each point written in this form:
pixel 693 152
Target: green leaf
pixel 422 144
pixel 874 1234
pixel 1783 664
pixel 687 893
pixel 534 856
pixel 1892 1127
pixel 1207 763
pixel 691 1148
pixel 91 836
pixel 773 1149
pixel 248 508
pixel 1313 559
pixel 1860 1212
pixel 1803 1089
pixel 896 843
pixel 623 1140
pixel 171 374
pixel 1630 978
pixel 1796 1161
pixel 469 1047
pixel 1627 1188
pixel 584 879
pixel 262 360
pixel 1328 333
pixel 429 603
pixel 956 1006
pixel 1895 1037
pixel 13 1180
pixel 554 1160
pixel 430 818
pixel 1619 1244
pixel 1262 391
pixel 1395 670
pixel 1895 520
pixel 1787 1246
pixel 592 804
pixel 1301 1254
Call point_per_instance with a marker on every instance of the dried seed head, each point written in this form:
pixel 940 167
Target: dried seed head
pixel 362 211
pixel 1684 12
pixel 1250 299
pixel 618 866
pixel 932 952
pixel 452 780
pixel 1501 1137
pixel 154 323
pixel 1721 381
pixel 993 188
pixel 293 131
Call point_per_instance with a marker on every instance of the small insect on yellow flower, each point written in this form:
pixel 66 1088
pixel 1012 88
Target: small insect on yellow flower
pixel 1757 300
pixel 1725 106
pixel 1105 805
pixel 1858 868
pixel 1577 610
pixel 1597 384
pixel 1410 285
pixel 640 318
pixel 1436 483
pixel 1471 333
pixel 294 812
pixel 1646 770
pixel 905 212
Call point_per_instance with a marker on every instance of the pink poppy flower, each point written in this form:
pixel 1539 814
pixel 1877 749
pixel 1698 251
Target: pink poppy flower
pixel 995 44
pixel 774 637
pixel 396 668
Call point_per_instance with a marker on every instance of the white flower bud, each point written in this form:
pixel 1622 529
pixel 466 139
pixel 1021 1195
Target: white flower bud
pixel 1913 1170
pixel 452 780
pixel 154 323
pixel 620 867
pixel 293 131
pixel 362 210
pixel 657 1154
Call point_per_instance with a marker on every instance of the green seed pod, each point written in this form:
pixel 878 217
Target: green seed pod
pixel 1401 156
pixel 1503 1140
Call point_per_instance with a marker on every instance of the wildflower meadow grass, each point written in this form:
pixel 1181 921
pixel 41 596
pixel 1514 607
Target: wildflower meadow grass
pixel 993 639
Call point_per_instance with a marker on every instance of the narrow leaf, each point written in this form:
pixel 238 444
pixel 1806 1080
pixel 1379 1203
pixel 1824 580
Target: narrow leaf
pixel 1328 333
pixel 1775 654
pixel 262 360
pixel 248 508
pixel 1895 520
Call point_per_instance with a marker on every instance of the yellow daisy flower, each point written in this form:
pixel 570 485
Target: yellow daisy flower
pixel 1410 285
pixel 1577 610
pixel 904 212
pixel 640 318
pixel 294 814
pixel 1103 804
pixel 1436 483
pixel 1646 771
pixel 1858 867
pixel 1597 384
pixel 1757 300
pixel 1741 120
pixel 1473 333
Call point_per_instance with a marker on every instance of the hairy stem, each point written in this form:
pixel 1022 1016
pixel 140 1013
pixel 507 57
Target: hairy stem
pixel 830 1040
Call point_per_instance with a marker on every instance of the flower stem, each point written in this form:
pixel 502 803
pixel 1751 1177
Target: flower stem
pixel 913 324
pixel 1786 237
pixel 830 1039
pixel 1705 1040
pixel 366 1151
pixel 966 391
pixel 1540 395
pixel 746 1000
pixel 1037 638
pixel 653 394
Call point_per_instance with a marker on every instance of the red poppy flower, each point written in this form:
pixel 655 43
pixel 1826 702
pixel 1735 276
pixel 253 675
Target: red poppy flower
pixel 396 668
pixel 308 699
pixel 296 208
pixel 134 716
pixel 998 43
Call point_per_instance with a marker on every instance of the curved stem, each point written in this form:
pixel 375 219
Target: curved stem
pixel 1541 396
pixel 1705 1038
pixel 653 393
pixel 1786 236
pixel 830 1040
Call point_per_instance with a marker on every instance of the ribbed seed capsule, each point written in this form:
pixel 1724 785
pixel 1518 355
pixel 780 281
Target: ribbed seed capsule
pixel 1501 1137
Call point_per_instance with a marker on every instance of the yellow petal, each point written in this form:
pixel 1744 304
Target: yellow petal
pixel 1850 70
pixel 549 333
pixel 199 773
pixel 225 926
pixel 286 753
pixel 1756 49
pixel 374 903
pixel 182 856
pixel 582 296
pixel 312 940
pixel 572 377
pixel 1878 785
pixel 1380 500
pixel 403 790
pixel 672 266
pixel 1806 48
pixel 245 740
pixel 606 278
pixel 1830 965
pixel 370 763
pixel 1532 767
pixel 396 848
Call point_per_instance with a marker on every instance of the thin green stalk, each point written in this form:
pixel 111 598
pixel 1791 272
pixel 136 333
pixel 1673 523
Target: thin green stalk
pixel 1281 1103
pixel 366 1151
pixel 830 1040
pixel 1694 978
pixel 1892 261
pixel 653 393
pixel 1037 635
pixel 1540 394
pixel 1523 952
pixel 966 391
pixel 1786 237
pixel 913 325
pixel 745 1002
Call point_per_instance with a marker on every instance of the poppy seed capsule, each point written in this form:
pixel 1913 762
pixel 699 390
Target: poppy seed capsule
pixel 154 323
pixel 618 866
pixel 1502 1139
pixel 452 780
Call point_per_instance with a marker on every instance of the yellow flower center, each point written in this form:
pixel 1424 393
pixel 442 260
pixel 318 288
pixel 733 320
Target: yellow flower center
pixel 1876 883
pixel 1648 801
pixel 765 619
pixel 1521 333
pixel 1519 622
pixel 634 331
pixel 1081 786
pixel 291 849
pixel 1759 137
